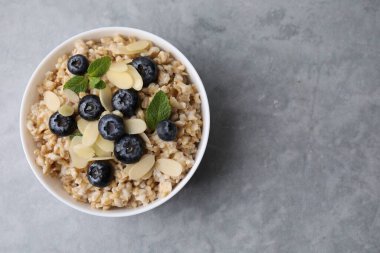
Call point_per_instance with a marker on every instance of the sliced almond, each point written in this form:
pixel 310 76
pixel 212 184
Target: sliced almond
pixel 105 96
pixel 76 161
pixel 118 49
pixel 104 113
pixel 66 110
pixel 145 138
pixel 101 158
pixel 71 96
pixel 142 167
pixel 75 141
pixel 90 134
pixel 137 79
pixel 122 80
pixel 127 168
pixel 135 126
pixel 104 144
pixel 147 175
pixel 99 152
pixel 118 113
pixel 169 167
pixel 84 151
pixel 82 124
pixel 138 46
pixel 118 67
pixel 52 101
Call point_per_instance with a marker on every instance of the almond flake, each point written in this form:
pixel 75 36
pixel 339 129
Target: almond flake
pixel 104 113
pixel 66 110
pixel 71 96
pixel 84 151
pixel 135 126
pixel 118 113
pixel 137 79
pixel 122 80
pixel 101 158
pixel 104 144
pixel 52 101
pixel 138 46
pixel 82 124
pixel 147 175
pixel 145 138
pixel 90 134
pixel 127 168
pixel 142 167
pixel 99 152
pixel 118 49
pixel 118 67
pixel 76 161
pixel 169 167
pixel 105 96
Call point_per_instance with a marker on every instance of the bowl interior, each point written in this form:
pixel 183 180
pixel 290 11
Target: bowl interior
pixel 31 96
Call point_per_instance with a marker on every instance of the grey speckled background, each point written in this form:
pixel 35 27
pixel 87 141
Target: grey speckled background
pixel 293 162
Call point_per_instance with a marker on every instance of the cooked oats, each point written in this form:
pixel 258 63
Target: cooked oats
pixel 55 157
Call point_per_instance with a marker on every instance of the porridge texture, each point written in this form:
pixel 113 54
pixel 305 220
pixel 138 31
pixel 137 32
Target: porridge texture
pixel 52 152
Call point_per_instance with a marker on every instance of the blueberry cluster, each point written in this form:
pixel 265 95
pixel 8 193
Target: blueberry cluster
pixel 128 148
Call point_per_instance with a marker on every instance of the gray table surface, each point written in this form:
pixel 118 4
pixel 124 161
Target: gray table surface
pixel 293 161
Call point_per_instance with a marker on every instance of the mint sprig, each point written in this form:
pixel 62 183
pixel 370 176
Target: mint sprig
pixel 158 110
pixel 77 84
pixel 95 71
pixel 96 83
pixel 99 67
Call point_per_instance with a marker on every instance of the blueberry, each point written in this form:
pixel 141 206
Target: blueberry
pixel 62 125
pixel 100 173
pixel 111 127
pixel 77 64
pixel 167 130
pixel 129 148
pixel 126 101
pixel 147 69
pixel 90 107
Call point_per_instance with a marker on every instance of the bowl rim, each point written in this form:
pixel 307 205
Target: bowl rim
pixel 94 34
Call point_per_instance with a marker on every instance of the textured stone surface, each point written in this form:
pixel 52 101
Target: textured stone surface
pixel 293 162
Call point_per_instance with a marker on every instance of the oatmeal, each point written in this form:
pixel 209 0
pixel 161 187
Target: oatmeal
pixel 118 122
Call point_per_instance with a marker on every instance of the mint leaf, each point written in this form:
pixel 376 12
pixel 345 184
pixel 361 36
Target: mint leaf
pixel 100 85
pixel 93 81
pixel 96 83
pixel 77 84
pixel 99 67
pixel 158 110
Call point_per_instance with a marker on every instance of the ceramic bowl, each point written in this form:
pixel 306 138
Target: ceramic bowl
pixel 53 185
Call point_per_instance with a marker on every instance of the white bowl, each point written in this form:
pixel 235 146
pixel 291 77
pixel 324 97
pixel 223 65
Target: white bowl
pixel 53 185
